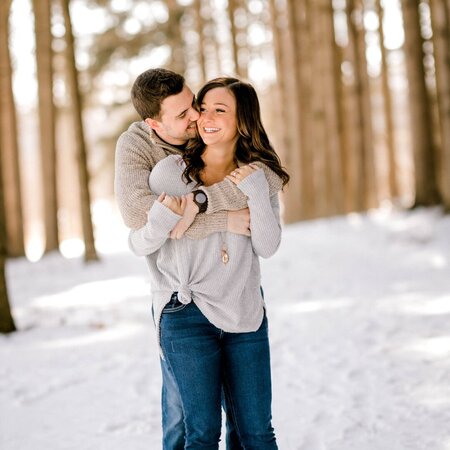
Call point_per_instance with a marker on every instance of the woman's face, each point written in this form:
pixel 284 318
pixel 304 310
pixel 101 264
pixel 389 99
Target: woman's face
pixel 217 122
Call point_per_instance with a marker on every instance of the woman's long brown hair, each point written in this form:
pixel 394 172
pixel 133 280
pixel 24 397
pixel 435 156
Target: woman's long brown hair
pixel 253 143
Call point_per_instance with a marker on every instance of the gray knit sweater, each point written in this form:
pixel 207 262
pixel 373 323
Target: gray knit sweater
pixel 137 151
pixel 227 294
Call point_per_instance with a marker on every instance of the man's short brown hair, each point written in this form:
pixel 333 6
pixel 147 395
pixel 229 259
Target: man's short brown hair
pixel 151 88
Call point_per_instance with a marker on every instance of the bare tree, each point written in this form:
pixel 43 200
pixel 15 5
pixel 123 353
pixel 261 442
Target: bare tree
pixel 175 39
pixel 366 165
pixel 440 16
pixel 80 141
pixel 387 99
pixel 44 57
pixel 201 39
pixel 10 148
pixel 6 320
pixel 420 109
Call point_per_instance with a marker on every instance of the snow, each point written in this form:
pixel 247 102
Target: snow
pixel 359 313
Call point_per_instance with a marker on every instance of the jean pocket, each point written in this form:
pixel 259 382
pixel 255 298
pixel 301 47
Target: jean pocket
pixel 174 305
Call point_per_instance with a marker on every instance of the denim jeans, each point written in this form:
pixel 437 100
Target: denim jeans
pixel 172 410
pixel 203 359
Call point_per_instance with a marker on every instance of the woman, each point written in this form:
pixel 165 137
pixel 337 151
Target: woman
pixel 208 304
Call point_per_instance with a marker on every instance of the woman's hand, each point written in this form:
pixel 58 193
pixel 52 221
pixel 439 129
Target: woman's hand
pixel 237 175
pixel 175 204
pixel 189 214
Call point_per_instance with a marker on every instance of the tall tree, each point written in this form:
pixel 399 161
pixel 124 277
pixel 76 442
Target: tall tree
pixel 387 100
pixel 6 320
pixel 297 198
pixel 80 141
pixel 232 6
pixel 357 34
pixel 420 109
pixel 440 16
pixel 175 38
pixel 326 109
pixel 44 57
pixel 201 40
pixel 10 148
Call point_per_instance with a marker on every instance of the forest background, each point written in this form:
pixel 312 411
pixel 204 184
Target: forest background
pixel 355 96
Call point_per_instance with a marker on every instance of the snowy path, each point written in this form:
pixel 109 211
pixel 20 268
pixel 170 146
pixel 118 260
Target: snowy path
pixel 359 313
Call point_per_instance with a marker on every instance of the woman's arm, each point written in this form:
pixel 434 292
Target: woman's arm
pixel 265 223
pixel 161 220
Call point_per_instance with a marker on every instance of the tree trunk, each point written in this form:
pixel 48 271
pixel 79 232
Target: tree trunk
pixel 440 16
pixel 175 39
pixel 233 32
pixel 44 56
pixel 367 198
pixel 288 77
pixel 9 144
pixel 6 320
pixel 420 109
pixel 80 141
pixel 389 122
pixel 201 40
pixel 332 151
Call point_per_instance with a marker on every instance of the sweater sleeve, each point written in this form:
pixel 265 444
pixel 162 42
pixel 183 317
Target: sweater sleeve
pixel 264 208
pixel 153 235
pixel 135 158
pixel 226 196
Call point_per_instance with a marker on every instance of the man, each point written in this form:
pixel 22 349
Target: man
pixel 167 108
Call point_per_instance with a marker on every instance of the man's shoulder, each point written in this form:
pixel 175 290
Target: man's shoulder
pixel 138 133
pixel 138 142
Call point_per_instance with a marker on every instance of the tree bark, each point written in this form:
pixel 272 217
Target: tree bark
pixel 288 77
pixel 9 144
pixel 440 17
pixel 44 56
pixel 387 100
pixel 367 197
pixel 175 38
pixel 420 109
pixel 233 32
pixel 6 320
pixel 90 253
pixel 201 40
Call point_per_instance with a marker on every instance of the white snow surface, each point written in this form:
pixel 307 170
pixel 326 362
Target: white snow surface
pixel 359 316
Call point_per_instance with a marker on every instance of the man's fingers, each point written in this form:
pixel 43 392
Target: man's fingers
pixel 161 197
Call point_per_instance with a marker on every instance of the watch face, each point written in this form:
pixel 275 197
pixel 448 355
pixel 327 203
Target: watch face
pixel 200 197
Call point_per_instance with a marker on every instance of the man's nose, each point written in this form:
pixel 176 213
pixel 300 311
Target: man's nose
pixel 194 114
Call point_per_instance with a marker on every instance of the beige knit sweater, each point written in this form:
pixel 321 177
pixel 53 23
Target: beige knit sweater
pixel 138 150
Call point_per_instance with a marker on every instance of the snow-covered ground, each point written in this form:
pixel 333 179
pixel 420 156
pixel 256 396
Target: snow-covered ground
pixel 359 313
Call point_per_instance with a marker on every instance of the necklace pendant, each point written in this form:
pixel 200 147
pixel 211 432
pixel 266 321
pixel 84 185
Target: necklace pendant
pixel 225 257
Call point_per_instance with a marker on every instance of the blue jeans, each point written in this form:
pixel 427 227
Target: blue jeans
pixel 172 409
pixel 203 359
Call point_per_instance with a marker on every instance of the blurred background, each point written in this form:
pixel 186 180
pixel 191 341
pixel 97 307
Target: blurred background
pixel 355 97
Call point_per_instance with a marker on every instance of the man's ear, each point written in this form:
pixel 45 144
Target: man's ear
pixel 152 123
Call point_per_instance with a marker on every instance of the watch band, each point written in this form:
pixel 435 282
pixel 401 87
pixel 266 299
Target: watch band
pixel 201 200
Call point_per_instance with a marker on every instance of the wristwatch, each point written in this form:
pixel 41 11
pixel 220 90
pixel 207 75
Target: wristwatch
pixel 201 200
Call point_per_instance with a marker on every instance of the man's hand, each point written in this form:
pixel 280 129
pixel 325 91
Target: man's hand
pixel 190 211
pixel 239 222
pixel 175 204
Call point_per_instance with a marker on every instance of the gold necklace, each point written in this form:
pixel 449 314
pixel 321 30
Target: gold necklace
pixel 224 252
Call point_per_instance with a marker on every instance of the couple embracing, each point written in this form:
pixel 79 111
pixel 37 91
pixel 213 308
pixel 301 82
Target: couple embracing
pixel 197 181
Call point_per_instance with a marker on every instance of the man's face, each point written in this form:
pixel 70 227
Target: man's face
pixel 177 118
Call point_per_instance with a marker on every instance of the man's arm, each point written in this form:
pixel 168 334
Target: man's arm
pixel 136 155
pixel 225 196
